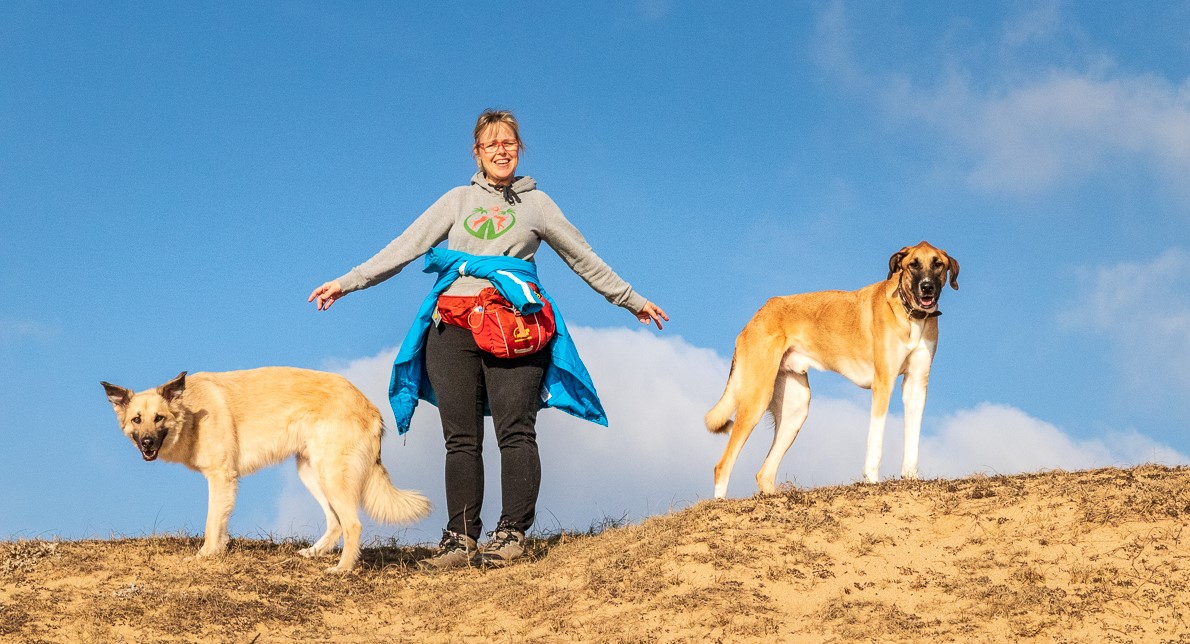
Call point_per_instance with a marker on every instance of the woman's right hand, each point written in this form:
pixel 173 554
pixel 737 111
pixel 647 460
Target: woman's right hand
pixel 324 296
pixel 652 313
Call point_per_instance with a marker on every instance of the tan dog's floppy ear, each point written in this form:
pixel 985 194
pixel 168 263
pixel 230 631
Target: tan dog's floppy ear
pixel 173 389
pixel 118 396
pixel 953 265
pixel 894 262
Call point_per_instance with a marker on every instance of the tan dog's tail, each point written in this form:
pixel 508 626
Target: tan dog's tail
pixel 386 503
pixel 718 420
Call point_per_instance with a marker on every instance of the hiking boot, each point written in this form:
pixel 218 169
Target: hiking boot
pixel 454 551
pixel 504 545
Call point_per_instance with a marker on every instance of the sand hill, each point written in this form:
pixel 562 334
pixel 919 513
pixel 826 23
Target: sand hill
pixel 1096 556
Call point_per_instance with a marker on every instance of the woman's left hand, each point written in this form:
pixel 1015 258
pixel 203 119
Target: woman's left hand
pixel 652 313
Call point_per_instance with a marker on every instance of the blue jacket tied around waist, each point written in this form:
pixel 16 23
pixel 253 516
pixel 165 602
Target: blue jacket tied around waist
pixel 566 385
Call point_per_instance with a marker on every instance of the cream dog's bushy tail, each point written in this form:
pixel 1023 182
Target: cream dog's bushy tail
pixel 386 503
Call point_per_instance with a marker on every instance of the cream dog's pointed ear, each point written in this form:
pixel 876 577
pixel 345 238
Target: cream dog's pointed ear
pixel 953 265
pixel 118 396
pixel 894 262
pixel 173 389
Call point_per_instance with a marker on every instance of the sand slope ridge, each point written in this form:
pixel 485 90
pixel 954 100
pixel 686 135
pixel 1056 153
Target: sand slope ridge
pixel 1094 556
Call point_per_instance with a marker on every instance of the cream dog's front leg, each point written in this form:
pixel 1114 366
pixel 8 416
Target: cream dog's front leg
pixel 221 499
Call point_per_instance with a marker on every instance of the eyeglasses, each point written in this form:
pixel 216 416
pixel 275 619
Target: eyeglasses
pixel 511 146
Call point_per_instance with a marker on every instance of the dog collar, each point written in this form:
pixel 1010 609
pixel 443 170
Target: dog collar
pixel 912 311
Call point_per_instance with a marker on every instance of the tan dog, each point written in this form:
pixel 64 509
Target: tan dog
pixel 870 336
pixel 228 425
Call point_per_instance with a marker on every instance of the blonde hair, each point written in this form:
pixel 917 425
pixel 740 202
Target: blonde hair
pixel 492 117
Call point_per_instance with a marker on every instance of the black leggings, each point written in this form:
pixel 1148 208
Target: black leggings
pixel 463 377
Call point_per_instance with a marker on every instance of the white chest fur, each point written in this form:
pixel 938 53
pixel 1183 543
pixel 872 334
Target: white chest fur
pixel 916 333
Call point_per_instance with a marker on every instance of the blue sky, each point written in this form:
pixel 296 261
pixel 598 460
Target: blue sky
pixel 175 178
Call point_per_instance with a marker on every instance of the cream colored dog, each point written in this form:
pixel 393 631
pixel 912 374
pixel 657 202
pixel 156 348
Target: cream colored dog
pixel 870 336
pixel 228 425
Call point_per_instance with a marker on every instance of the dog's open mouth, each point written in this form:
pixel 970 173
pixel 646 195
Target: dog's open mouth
pixel 927 302
pixel 149 446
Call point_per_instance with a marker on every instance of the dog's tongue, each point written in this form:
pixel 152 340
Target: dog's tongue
pixel 927 302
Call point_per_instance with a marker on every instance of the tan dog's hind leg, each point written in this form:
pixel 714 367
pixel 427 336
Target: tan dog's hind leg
pixel 757 371
pixel 745 421
pixel 325 543
pixel 790 405
pixel 221 500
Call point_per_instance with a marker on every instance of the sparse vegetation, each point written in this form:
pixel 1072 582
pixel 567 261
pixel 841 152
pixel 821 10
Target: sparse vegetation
pixel 1096 556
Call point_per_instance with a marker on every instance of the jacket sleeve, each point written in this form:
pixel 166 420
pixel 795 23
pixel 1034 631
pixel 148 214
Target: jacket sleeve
pixel 427 231
pixel 568 242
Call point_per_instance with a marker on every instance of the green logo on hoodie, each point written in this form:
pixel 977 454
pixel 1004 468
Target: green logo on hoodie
pixel 489 223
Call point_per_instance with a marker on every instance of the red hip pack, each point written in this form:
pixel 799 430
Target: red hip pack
pixel 500 328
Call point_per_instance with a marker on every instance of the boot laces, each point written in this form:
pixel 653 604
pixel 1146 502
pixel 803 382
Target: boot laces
pixel 503 535
pixel 451 541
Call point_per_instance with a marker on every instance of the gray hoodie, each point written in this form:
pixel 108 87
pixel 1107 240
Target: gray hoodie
pixel 483 220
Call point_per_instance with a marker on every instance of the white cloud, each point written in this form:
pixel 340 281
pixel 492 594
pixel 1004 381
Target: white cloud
pixel 1115 294
pixel 13 330
pixel 655 10
pixel 1068 125
pixel 1036 128
pixel 998 439
pixel 1040 22
pixel 834 49
pixel 1143 309
pixel 657 456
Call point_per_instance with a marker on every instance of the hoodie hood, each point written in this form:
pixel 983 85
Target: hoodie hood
pixel 508 193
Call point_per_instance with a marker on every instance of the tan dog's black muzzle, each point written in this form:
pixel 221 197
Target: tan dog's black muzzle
pixel 927 294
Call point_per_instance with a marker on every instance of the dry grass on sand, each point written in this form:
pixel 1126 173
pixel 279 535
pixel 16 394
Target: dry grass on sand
pixel 1096 556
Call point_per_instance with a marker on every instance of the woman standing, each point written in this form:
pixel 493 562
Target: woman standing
pixel 497 221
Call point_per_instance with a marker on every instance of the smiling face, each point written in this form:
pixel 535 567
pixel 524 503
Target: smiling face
pixel 923 270
pixel 497 149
